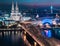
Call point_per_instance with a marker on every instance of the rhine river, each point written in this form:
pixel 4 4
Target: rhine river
pixel 11 38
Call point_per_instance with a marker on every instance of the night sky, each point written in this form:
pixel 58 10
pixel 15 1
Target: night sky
pixel 5 5
pixel 32 2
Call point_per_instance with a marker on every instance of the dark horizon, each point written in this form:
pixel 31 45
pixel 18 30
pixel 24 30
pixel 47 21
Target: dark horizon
pixel 32 2
pixel 24 7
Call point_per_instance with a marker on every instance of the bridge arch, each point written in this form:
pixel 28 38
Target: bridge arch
pixel 49 21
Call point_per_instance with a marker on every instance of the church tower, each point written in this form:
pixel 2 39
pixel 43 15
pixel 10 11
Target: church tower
pixel 12 11
pixel 16 8
pixel 15 14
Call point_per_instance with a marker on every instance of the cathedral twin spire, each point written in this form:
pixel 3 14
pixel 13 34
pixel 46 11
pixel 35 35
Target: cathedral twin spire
pixel 15 14
pixel 14 10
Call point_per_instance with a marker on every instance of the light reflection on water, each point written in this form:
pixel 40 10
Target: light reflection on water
pixel 11 38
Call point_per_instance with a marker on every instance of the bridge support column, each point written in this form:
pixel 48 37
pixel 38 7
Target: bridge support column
pixel 35 44
pixel 24 35
pixel 0 33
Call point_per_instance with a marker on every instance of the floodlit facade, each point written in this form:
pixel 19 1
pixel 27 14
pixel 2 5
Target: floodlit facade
pixel 15 14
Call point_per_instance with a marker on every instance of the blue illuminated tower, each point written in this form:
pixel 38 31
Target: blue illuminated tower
pixel 51 7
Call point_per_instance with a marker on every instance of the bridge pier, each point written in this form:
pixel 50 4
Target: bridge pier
pixel 24 36
pixel 0 33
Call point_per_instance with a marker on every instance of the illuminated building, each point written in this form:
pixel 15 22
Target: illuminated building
pixel 15 15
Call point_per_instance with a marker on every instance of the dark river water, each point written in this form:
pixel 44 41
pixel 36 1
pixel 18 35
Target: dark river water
pixel 11 38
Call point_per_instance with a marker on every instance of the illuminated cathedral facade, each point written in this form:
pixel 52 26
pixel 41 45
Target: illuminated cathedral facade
pixel 15 14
